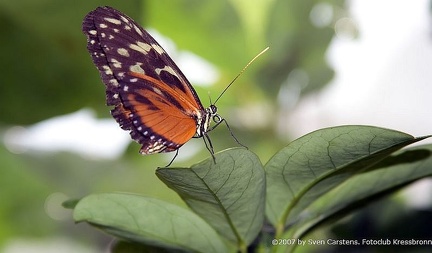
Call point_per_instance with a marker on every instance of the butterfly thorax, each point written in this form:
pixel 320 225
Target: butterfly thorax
pixel 203 123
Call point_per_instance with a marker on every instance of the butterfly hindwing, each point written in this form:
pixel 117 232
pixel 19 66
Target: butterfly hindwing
pixel 151 96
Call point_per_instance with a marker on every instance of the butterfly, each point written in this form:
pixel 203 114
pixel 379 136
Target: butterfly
pixel 152 98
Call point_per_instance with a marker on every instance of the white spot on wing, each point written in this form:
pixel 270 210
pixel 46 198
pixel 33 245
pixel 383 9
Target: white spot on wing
pixel 115 63
pixel 140 47
pixel 137 69
pixel 123 52
pixel 138 30
pixel 167 69
pixel 103 26
pixel 114 82
pixel 156 147
pixel 158 91
pixel 158 49
pixel 92 32
pixel 107 69
pixel 124 19
pixel 113 21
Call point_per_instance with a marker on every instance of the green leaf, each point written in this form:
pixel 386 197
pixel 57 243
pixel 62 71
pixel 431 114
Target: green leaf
pixel 70 204
pixel 317 162
pixel 395 171
pixel 128 247
pixel 148 221
pixel 229 195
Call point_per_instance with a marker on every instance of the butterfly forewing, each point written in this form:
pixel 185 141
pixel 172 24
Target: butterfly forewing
pixel 152 97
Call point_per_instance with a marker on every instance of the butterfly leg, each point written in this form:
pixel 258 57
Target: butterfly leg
pixel 209 146
pixel 217 119
pixel 232 134
pixel 172 160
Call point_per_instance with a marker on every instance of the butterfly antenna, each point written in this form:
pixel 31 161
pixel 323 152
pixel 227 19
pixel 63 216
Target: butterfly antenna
pixel 239 74
pixel 208 94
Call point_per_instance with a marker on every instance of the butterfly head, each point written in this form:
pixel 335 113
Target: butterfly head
pixel 212 112
pixel 203 124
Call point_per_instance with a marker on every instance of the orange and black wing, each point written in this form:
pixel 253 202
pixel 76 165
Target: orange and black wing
pixel 151 96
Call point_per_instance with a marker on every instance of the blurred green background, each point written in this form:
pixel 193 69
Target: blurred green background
pixel 46 72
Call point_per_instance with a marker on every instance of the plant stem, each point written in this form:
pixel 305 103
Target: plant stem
pixel 242 248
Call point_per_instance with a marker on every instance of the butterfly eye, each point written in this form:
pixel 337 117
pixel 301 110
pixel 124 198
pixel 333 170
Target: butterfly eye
pixel 212 109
